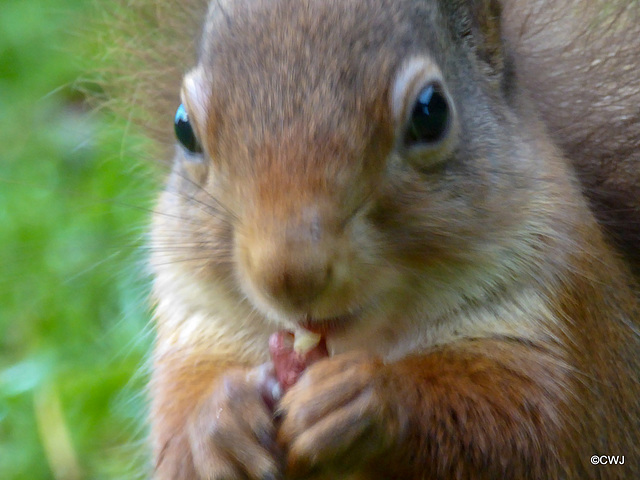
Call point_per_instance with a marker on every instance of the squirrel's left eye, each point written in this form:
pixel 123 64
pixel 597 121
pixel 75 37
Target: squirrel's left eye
pixel 184 131
pixel 429 120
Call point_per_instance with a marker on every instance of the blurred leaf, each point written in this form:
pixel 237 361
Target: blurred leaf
pixel 74 205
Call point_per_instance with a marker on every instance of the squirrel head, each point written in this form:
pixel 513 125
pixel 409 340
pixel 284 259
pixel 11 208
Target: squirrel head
pixel 357 157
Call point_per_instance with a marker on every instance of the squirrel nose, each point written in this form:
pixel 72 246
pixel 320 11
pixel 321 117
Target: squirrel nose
pixel 291 275
pixel 289 261
pixel 297 283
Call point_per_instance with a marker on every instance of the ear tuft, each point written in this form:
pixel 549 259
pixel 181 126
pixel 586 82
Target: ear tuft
pixel 486 20
pixel 478 22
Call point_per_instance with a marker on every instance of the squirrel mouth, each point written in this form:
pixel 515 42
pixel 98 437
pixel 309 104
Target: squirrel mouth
pixel 327 326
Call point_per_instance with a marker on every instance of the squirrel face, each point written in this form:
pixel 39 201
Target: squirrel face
pixel 351 169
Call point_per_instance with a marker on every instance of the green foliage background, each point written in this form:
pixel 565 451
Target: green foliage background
pixel 75 193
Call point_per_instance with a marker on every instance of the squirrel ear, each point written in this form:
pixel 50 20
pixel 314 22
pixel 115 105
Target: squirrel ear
pixel 486 18
pixel 479 23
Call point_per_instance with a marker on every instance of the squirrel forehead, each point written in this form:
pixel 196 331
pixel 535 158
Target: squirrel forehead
pixel 328 26
pixel 312 66
pixel 303 45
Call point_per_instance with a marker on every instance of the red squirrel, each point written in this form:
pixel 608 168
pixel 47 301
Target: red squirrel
pixel 430 186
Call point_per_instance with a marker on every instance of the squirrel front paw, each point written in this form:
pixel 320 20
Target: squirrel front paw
pixel 232 434
pixel 338 418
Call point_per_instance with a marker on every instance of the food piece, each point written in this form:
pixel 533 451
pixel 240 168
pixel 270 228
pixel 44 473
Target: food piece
pixel 305 341
pixel 290 360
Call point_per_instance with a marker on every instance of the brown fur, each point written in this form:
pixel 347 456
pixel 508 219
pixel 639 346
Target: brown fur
pixel 491 330
pixel 579 62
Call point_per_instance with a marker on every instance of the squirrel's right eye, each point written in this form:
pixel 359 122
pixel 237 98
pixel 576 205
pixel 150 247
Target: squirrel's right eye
pixel 184 131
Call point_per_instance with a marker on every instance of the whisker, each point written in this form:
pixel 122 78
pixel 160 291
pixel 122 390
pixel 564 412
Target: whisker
pixel 216 200
pixel 219 260
pixel 206 208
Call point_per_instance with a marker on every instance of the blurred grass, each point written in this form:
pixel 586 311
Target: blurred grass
pixel 74 200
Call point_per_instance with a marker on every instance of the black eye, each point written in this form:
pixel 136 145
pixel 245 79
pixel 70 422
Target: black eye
pixel 429 118
pixel 184 131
